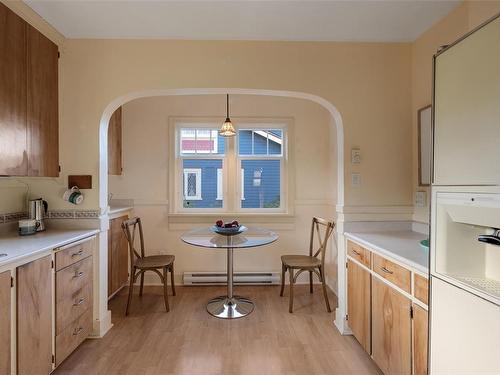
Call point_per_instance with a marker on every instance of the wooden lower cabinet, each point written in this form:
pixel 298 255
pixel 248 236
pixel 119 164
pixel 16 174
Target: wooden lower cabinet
pixel 359 304
pixel 420 340
pixel 5 322
pixel 117 256
pixel 391 329
pixel 34 317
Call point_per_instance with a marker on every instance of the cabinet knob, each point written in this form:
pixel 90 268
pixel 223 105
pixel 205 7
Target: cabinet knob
pixel 386 270
pixel 77 275
pixel 80 301
pixel 77 331
pixel 77 254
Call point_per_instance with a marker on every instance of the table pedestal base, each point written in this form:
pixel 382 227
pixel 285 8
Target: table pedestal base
pixel 229 308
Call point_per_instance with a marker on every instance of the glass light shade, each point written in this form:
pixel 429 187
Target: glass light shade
pixel 227 129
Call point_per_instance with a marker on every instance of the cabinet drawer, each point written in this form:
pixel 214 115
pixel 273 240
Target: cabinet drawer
pixel 359 253
pixel 396 274
pixel 421 288
pixel 70 308
pixel 73 278
pixel 74 334
pixel 71 254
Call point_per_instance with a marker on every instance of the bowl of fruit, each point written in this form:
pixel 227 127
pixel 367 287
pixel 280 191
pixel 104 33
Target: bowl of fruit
pixel 228 229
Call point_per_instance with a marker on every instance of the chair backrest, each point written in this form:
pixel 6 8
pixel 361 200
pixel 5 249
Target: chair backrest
pixel 323 229
pixel 131 227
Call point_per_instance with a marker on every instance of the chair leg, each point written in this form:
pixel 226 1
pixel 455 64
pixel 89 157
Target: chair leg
pixel 310 281
pixel 142 284
pixel 283 271
pixel 130 291
pixel 290 308
pixel 172 278
pixel 165 290
pixel 324 289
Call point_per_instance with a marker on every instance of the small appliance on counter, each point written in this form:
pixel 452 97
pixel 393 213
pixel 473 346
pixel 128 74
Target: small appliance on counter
pixel 27 227
pixel 37 210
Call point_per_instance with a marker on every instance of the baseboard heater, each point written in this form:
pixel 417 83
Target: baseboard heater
pixel 240 278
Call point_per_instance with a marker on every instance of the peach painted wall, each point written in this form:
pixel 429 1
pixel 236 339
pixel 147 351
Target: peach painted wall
pixel 460 21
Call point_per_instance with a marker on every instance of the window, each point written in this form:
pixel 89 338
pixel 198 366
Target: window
pixel 260 156
pixel 242 174
pixel 192 183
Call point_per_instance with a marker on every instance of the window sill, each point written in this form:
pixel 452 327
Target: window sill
pixel 276 221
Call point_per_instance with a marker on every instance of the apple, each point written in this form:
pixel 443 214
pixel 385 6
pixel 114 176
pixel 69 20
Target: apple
pixel 219 223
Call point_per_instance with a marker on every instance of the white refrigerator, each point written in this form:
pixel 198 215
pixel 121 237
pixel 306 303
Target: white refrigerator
pixel 465 207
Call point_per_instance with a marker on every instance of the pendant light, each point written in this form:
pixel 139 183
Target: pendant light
pixel 227 128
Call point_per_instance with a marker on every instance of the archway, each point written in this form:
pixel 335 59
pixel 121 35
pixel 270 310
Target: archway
pixel 336 121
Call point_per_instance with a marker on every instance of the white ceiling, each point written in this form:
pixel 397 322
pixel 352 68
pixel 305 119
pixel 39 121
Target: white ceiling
pixel 306 20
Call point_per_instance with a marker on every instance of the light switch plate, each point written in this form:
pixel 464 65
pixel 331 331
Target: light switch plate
pixel 355 156
pixel 420 198
pixel 356 179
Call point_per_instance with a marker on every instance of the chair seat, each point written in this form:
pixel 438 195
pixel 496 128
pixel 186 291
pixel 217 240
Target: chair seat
pixel 300 261
pixel 155 261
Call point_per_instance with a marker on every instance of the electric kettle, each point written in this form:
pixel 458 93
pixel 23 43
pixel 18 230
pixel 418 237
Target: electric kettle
pixel 37 210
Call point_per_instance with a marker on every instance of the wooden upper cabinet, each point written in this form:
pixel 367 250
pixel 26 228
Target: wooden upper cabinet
pixel 115 143
pixel 29 144
pixel 13 127
pixel 391 329
pixel 34 317
pixel 420 340
pixel 42 105
pixel 358 303
pixel 5 319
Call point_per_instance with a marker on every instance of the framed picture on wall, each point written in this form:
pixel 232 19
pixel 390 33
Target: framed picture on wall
pixel 424 145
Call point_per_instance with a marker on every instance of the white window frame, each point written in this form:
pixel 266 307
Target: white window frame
pixel 197 173
pixel 220 185
pixel 232 194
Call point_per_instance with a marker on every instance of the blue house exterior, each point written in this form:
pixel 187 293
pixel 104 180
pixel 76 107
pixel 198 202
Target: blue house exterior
pixel 202 183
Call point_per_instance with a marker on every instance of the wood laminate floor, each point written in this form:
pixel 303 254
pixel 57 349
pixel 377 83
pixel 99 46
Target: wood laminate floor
pixel 188 341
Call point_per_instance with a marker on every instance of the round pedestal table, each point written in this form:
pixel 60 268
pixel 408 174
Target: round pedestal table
pixel 229 306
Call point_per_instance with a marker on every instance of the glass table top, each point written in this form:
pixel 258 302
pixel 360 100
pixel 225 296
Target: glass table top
pixel 252 237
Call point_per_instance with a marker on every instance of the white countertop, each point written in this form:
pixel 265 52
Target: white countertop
pixel 402 246
pixel 18 247
pixel 117 209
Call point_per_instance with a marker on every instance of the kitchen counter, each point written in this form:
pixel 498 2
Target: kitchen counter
pixel 402 246
pixel 18 248
pixel 117 210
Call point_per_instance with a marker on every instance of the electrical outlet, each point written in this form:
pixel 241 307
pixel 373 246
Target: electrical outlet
pixel 356 179
pixel 355 156
pixel 420 198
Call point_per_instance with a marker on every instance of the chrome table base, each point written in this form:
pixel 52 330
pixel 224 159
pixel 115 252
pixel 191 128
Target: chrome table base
pixel 230 308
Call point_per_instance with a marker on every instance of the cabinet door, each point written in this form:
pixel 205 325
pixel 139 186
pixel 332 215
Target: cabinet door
pixel 34 318
pixel 42 105
pixel 115 143
pixel 358 303
pixel 5 321
pixel 420 340
pixel 13 129
pixel 391 329
pixel 118 251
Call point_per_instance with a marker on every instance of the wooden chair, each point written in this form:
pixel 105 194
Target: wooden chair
pixel 311 263
pixel 139 263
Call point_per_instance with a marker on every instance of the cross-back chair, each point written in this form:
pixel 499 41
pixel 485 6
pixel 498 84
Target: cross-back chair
pixel 312 263
pixel 140 263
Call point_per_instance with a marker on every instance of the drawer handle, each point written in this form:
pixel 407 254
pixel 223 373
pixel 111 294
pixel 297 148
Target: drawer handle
pixel 80 301
pixel 386 270
pixel 77 275
pixel 77 254
pixel 77 331
pixel 355 252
